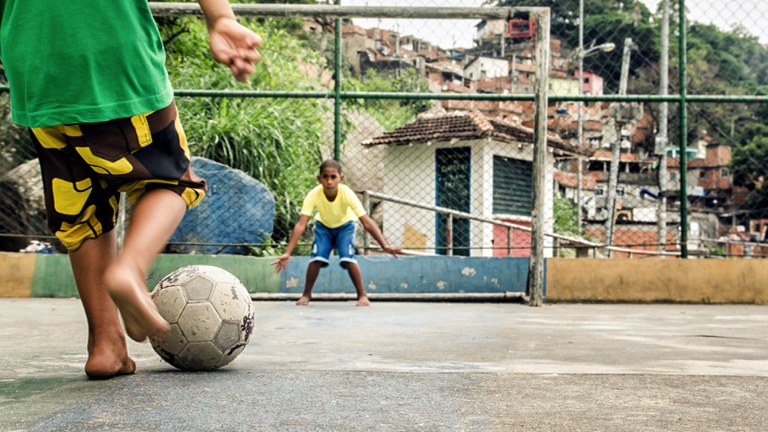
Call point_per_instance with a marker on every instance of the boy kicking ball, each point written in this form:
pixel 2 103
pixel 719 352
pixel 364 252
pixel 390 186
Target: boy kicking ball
pixel 338 208
pixel 100 109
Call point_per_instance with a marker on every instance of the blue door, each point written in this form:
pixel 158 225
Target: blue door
pixel 453 175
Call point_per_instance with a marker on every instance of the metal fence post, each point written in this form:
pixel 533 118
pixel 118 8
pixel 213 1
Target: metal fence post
pixel 683 106
pixel 337 87
pixel 366 237
pixel 449 235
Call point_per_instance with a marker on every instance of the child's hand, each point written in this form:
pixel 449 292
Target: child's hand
pixel 393 251
pixel 281 262
pixel 236 46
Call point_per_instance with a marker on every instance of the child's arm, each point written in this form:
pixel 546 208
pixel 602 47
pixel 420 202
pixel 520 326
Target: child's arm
pixel 374 230
pixel 298 230
pixel 232 44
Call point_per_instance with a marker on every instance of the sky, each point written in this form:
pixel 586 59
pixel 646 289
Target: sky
pixel 751 14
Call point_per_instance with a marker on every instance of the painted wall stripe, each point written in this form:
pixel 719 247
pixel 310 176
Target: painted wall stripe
pixel 655 280
pixel 414 274
pixel 568 280
pixel 256 273
pixel 53 277
pixel 16 277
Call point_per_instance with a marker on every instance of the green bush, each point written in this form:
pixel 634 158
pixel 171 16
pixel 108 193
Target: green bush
pixel 276 141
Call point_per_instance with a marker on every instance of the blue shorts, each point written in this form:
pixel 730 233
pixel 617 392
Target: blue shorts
pixel 341 239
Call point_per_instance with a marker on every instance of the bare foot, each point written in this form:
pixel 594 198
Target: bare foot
pixel 103 368
pixel 363 301
pixel 108 361
pixel 140 315
pixel 303 301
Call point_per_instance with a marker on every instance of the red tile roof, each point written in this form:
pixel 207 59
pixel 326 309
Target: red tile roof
pixel 466 126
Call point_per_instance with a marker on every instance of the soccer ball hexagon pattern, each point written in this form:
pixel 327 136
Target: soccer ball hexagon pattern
pixel 211 317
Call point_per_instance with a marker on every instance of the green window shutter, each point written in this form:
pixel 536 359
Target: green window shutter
pixel 512 186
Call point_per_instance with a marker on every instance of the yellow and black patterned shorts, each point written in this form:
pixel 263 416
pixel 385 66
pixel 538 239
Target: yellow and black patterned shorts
pixel 86 166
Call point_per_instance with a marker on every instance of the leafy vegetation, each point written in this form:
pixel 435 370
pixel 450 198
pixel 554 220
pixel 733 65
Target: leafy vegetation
pixel 276 141
pixel 280 142
pixel 566 216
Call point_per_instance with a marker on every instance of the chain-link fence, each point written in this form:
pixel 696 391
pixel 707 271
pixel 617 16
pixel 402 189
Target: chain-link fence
pixel 435 119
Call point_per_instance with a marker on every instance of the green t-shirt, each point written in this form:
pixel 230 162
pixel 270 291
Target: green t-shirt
pixel 81 61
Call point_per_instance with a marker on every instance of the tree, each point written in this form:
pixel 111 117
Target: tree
pixel 750 169
pixel 719 62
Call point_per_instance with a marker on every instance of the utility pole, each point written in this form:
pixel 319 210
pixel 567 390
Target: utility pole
pixel 623 114
pixel 606 47
pixel 662 134
pixel 580 126
pixel 535 286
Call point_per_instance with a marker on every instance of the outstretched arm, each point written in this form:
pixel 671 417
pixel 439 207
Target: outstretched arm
pixel 371 227
pixel 298 230
pixel 231 43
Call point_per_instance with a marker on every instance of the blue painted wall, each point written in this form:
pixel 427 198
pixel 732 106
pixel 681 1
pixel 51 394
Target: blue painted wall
pixel 414 275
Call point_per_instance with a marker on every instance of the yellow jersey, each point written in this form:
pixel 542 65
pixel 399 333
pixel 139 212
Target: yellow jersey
pixel 333 214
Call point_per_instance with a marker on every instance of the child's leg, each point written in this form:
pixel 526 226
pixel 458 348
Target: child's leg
pixel 107 351
pixel 321 252
pixel 153 221
pixel 357 279
pixel 345 246
pixel 313 270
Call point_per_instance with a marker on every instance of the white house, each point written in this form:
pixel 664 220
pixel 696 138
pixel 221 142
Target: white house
pixel 491 30
pixel 481 68
pixel 469 163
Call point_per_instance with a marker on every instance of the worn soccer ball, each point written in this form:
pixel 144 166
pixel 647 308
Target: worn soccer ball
pixel 211 317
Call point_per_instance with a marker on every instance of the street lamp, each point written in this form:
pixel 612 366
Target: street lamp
pixel 581 53
pixel 623 113
pixel 606 47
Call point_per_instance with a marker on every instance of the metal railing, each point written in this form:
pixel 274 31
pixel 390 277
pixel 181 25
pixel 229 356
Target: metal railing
pixel 574 242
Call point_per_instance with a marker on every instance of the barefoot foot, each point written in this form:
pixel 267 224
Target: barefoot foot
pixel 303 301
pixel 140 315
pixel 99 368
pixel 108 359
pixel 363 301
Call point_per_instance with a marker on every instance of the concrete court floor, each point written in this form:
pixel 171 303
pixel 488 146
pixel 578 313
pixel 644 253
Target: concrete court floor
pixel 408 367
